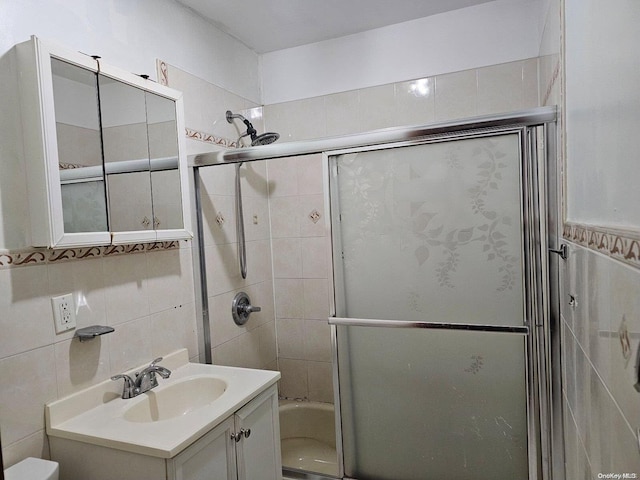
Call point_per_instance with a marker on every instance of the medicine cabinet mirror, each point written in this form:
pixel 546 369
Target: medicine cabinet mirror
pixel 108 164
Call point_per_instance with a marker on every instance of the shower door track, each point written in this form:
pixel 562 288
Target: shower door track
pixel 525 118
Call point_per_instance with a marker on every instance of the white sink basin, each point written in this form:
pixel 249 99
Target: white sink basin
pixel 176 399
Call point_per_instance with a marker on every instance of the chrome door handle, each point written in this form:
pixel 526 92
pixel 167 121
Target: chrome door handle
pixel 563 251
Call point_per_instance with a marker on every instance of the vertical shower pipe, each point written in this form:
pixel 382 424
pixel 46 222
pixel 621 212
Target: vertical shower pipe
pixel 205 341
pixel 242 246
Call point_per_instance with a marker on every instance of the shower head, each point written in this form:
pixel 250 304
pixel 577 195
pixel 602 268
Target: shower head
pixel 264 139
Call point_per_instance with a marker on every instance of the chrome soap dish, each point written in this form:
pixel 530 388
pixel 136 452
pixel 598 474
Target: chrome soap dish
pixel 89 333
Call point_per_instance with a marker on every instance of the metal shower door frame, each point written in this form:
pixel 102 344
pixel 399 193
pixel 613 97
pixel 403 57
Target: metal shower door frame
pixel 535 270
pixel 549 364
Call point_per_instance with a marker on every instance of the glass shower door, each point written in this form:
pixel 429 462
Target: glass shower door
pixel 431 317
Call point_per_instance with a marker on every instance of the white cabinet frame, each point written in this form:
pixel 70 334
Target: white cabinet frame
pixel 41 148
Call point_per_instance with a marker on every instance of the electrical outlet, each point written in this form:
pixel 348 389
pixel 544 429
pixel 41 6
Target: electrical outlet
pixel 64 312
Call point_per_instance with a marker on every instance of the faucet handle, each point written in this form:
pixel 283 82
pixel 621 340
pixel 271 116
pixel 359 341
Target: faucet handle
pixel 127 379
pixel 128 388
pixel 156 361
pixel 151 365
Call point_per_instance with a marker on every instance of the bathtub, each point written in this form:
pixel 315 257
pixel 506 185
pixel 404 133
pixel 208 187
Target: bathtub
pixel 308 436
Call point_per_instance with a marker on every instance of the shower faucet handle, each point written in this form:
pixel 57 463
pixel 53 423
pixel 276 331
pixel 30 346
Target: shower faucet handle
pixel 241 308
pixel 250 309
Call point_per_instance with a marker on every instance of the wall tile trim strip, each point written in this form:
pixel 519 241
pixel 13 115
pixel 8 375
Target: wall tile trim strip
pixel 622 245
pixel 25 258
pixel 210 138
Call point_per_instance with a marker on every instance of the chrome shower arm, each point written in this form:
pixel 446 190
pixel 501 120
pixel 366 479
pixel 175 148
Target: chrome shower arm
pixel 263 139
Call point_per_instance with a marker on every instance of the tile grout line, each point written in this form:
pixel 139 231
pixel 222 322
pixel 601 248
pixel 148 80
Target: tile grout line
pixel 602 382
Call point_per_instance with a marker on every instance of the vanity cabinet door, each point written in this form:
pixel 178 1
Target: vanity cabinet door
pixel 123 114
pixel 163 153
pixel 213 457
pixel 144 156
pixel 258 453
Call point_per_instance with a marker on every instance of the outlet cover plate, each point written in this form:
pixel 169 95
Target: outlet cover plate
pixel 64 313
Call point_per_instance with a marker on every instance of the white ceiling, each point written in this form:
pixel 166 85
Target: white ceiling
pixel 268 25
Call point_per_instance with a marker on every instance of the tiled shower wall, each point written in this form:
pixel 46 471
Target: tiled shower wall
pixel 301 253
pixel 252 345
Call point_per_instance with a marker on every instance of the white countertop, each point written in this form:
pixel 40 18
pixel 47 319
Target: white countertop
pixel 95 415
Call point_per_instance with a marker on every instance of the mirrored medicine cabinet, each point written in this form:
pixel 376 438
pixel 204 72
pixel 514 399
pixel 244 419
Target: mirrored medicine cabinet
pixel 104 151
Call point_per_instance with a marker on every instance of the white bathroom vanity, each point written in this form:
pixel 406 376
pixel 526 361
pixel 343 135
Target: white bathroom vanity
pixel 205 421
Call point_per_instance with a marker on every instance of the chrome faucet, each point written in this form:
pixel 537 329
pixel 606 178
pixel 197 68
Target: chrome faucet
pixel 144 380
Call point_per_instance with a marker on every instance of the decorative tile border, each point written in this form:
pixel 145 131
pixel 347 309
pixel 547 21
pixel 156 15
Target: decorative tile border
pixel 210 138
pixel 622 245
pixel 69 166
pixel 45 256
pixel 163 72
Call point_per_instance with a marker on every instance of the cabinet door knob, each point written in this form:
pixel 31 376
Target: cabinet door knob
pixel 246 432
pixel 236 436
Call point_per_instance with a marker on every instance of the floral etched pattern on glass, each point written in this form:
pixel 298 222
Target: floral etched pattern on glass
pixel 433 232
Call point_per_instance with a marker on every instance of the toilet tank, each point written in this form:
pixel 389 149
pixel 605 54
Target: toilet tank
pixel 32 469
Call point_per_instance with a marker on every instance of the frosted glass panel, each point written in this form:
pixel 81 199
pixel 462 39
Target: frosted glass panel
pixel 433 232
pixel 432 405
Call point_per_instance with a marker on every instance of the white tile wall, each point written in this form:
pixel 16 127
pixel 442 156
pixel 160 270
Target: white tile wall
pixel 205 105
pixel 80 365
pixel 499 88
pixel 300 265
pixel 341 111
pixel 254 344
pixel 26 319
pixel 496 92
pixel 125 289
pixel 601 403
pixel 415 101
pixel 457 95
pixel 147 297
